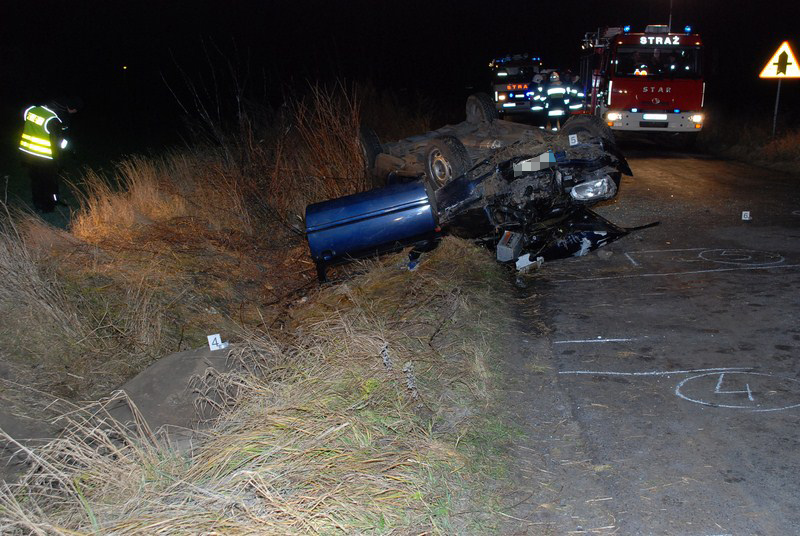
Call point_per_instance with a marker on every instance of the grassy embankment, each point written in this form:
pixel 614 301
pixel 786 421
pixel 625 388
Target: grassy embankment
pixel 361 407
pixel 751 140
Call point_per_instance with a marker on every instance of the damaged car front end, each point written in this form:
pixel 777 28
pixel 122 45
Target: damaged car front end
pixel 532 205
pixel 529 200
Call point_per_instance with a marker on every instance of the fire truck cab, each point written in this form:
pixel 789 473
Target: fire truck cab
pixel 647 82
pixel 513 82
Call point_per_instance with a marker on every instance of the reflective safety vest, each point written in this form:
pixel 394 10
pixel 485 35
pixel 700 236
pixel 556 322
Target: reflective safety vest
pixel 36 134
pixel 556 100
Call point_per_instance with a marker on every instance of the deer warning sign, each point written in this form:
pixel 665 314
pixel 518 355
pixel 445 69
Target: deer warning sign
pixel 783 64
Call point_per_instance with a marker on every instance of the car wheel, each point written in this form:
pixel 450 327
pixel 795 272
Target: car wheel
pixel 590 124
pixel 371 147
pixel 480 109
pixel 446 158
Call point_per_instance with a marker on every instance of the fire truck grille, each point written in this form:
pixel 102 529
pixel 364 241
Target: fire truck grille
pixel 653 124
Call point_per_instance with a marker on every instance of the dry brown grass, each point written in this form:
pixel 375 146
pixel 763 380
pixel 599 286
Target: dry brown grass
pixel 167 249
pixel 345 413
pixel 317 155
pixel 783 148
pixel 751 140
pixel 187 184
pixel 392 117
pixel 344 422
pixel 64 335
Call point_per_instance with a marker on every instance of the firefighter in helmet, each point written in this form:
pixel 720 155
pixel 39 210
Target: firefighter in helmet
pixel 555 106
pixel 43 143
pixel 538 99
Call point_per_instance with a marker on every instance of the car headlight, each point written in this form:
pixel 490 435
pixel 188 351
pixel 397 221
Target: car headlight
pixel 614 116
pixel 501 97
pixel 596 190
pixel 696 118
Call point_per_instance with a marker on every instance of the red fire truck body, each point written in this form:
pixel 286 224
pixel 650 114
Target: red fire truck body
pixel 647 82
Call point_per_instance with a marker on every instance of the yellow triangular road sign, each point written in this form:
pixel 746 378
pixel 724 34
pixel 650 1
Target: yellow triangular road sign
pixel 783 64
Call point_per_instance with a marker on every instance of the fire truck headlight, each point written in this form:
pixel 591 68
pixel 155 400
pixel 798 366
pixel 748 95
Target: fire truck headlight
pixel 596 190
pixel 614 116
pixel 696 118
pixel 501 97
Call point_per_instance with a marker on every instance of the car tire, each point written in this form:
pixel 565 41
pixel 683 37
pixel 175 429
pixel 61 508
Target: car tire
pixel 590 124
pixel 370 145
pixel 480 109
pixel 446 158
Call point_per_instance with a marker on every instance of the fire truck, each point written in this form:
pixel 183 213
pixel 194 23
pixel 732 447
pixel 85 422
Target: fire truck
pixel 645 82
pixel 513 82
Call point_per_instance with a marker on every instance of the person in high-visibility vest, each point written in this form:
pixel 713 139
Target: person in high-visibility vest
pixel 42 144
pixel 556 100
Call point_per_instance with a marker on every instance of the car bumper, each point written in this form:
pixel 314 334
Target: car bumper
pixel 513 107
pixel 656 122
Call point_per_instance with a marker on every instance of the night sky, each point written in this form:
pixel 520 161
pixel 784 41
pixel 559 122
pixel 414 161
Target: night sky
pixel 437 49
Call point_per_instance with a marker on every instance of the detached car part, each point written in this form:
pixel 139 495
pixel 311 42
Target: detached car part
pixel 369 223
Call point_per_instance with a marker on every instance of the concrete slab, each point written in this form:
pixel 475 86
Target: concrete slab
pixel 162 392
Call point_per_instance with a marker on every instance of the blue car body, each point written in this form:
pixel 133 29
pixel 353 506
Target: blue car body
pixel 371 222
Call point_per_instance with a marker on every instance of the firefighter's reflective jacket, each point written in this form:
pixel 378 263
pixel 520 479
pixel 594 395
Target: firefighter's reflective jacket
pixel 559 100
pixel 42 134
pixel 538 99
pixel 556 99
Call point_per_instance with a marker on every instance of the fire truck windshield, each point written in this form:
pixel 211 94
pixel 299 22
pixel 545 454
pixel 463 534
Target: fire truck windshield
pixel 515 72
pixel 651 62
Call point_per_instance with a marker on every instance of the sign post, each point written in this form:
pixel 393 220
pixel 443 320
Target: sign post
pixel 783 64
pixel 775 113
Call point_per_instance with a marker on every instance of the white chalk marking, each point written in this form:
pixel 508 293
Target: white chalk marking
pixel 581 341
pixel 745 256
pixel 741 257
pixel 669 250
pixel 633 262
pixel 719 383
pixel 627 276
pixel 655 372
pixel 718 389
pixel 755 409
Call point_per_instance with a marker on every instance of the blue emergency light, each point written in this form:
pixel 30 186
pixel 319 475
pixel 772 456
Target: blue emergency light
pixel 626 28
pixel 687 29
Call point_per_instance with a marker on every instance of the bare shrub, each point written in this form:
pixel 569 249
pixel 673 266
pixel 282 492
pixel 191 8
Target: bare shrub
pixel 191 183
pixel 785 147
pixel 317 156
pixel 750 139
pixel 28 293
pixel 64 336
pixel 392 117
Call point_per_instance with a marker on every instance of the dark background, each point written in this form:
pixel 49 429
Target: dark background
pixel 436 49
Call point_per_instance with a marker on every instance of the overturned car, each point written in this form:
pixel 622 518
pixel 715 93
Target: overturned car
pixel 528 198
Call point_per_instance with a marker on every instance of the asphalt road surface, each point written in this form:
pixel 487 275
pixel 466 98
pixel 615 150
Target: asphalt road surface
pixel 676 350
